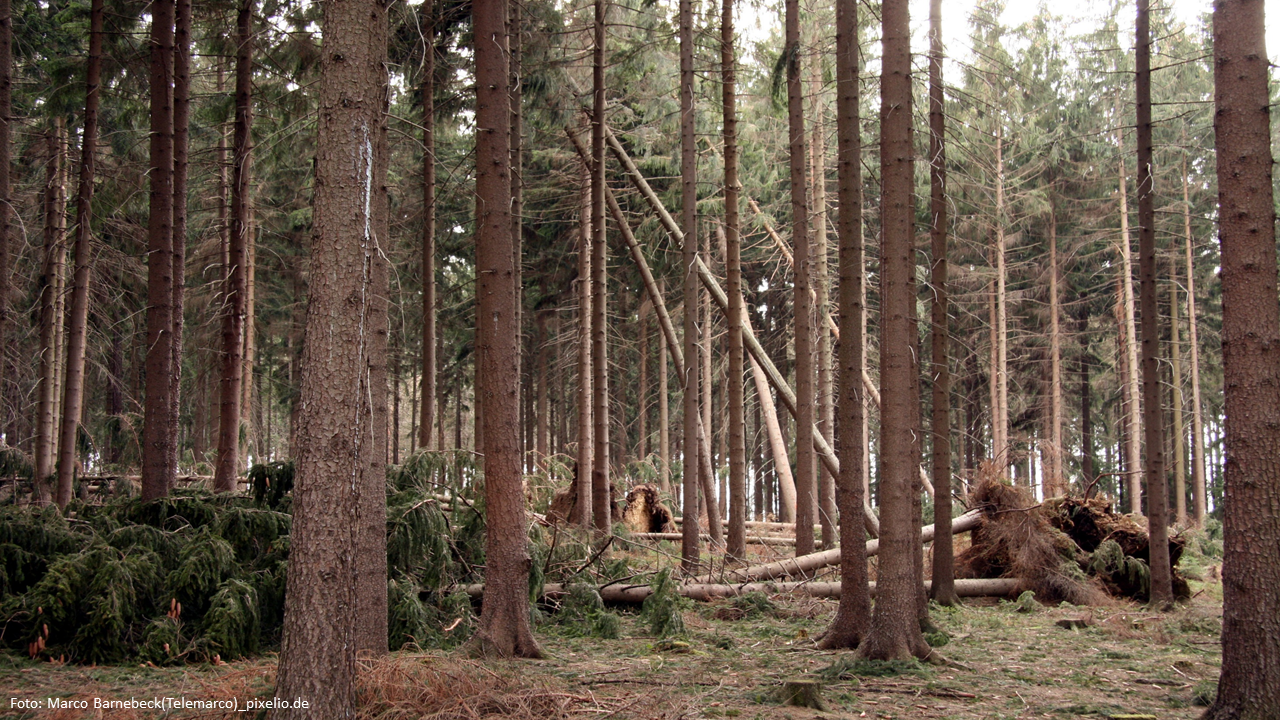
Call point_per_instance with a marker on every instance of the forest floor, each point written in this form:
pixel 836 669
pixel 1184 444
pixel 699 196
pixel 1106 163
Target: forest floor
pixel 1129 661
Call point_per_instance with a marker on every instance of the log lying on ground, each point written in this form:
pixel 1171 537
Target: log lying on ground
pixel 808 563
pixel 756 539
pixel 999 587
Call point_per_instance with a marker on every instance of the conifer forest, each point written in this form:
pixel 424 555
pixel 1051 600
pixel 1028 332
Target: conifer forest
pixel 638 358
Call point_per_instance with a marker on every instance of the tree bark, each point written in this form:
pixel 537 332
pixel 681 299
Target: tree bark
pixel 338 423
pixel 806 470
pixel 1132 414
pixel 1249 686
pixel 1179 434
pixel 642 393
pixel 51 271
pixel 943 588
pixel 895 631
pixel 689 552
pixel 600 481
pixel 1055 482
pixel 504 621
pixel 664 409
pixel 820 286
pixel 1000 324
pixel 8 411
pixel 849 625
pixel 733 281
pixel 429 361
pixel 1197 416
pixel 1157 483
pixel 228 464
pixel 181 143
pixel 586 427
pixel 77 325
pixel 1086 407
pixel 158 438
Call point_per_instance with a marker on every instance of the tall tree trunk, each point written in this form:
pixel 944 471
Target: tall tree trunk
pixel 600 481
pixel 228 462
pixel 515 22
pixel 664 409
pixel 58 215
pixel 55 252
pixel 1197 417
pixel 1055 482
pixel 371 539
pixel 689 224
pixel 542 442
pixel 1179 434
pixel 1000 349
pixel 1153 415
pixel 429 360
pixel 943 588
pixel 895 630
pixel 158 437
pixel 1132 415
pixel 248 356
pixel 821 288
pixel 181 143
pixel 1249 686
pixel 737 543
pixel 73 388
pixel 642 395
pixel 586 378
pixel 8 409
pixel 851 620
pixel 338 432
pixel 806 467
pixel 1086 407
pixel 504 622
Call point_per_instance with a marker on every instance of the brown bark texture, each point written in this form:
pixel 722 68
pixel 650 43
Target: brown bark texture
pixel 895 632
pixel 943 589
pixel 8 415
pixel 737 546
pixel 1249 686
pixel 1149 290
pixel 157 436
pixel 181 145
pixel 227 464
pixel 337 430
pixel 426 422
pixel 849 625
pixel 600 481
pixel 583 512
pixel 55 253
pixel 806 468
pixel 689 225
pixel 77 324
pixel 504 629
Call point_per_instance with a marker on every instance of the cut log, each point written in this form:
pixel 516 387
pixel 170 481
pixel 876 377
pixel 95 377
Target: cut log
pixel 631 594
pixel 807 564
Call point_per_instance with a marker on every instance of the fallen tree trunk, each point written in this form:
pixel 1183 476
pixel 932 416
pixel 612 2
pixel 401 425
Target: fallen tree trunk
pixel 788 397
pixel 806 564
pixel 757 539
pixel 999 587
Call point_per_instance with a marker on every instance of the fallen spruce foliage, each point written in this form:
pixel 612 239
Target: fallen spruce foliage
pixel 1064 549
pixel 195 576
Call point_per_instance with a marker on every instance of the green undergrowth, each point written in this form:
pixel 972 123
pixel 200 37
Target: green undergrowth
pixel 195 576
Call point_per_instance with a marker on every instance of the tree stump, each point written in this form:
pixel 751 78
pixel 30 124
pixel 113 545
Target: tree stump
pixel 801 693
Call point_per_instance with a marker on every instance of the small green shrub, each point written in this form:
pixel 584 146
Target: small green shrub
pixel 663 610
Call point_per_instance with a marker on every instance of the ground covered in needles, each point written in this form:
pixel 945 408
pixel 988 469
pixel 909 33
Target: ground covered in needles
pixel 1007 659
